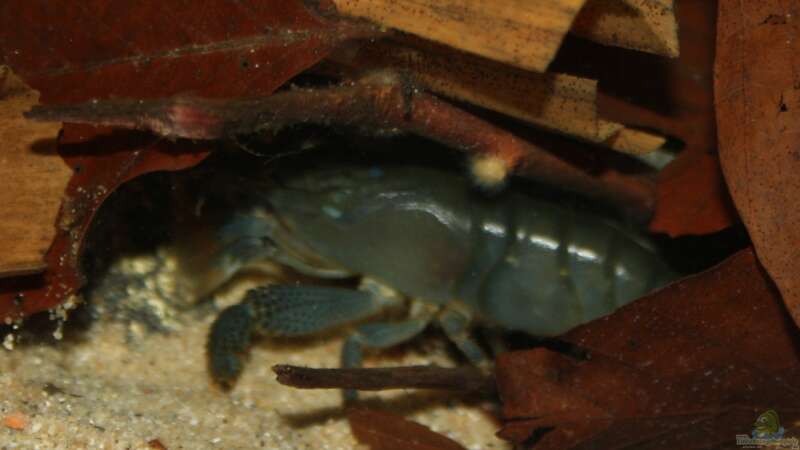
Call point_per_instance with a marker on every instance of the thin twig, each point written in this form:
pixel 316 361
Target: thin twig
pixel 379 102
pixel 466 379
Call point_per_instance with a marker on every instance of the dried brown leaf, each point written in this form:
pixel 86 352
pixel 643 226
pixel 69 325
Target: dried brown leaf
pixel 757 89
pixel 145 49
pixel 690 366
pixel 115 48
pixel 381 430
pixel 697 176
pixel 99 166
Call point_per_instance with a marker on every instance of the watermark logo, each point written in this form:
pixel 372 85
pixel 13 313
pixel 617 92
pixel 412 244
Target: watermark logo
pixel 767 432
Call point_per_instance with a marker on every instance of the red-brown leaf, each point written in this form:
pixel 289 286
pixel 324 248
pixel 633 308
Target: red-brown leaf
pixel 72 52
pixel 148 49
pixel 692 198
pixel 690 366
pixel 381 430
pixel 758 108
pixel 100 166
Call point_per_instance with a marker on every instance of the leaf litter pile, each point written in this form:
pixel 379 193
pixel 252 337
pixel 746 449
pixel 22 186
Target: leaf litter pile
pixel 568 93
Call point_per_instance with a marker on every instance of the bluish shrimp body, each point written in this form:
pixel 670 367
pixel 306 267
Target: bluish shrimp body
pixel 506 260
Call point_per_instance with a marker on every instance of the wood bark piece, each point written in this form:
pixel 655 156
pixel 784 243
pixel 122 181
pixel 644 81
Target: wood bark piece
pixel 33 180
pixel 757 88
pixel 523 33
pixel 559 102
pixel 645 25
pixel 675 98
pixel 629 140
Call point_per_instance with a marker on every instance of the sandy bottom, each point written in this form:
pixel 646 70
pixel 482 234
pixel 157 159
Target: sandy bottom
pixel 101 388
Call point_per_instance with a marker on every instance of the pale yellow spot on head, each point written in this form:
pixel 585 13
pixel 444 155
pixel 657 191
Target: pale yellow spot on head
pixel 489 171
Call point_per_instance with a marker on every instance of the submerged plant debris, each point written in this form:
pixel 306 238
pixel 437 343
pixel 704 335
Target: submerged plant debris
pixel 690 366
